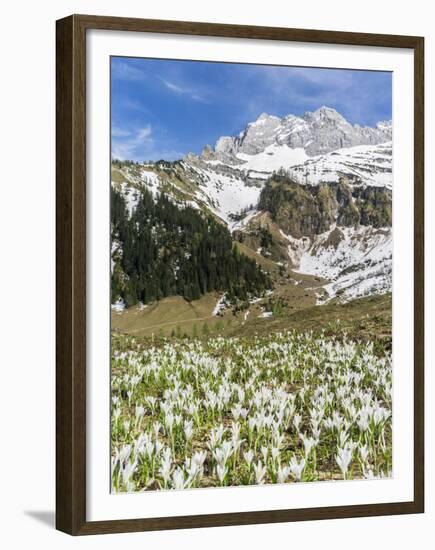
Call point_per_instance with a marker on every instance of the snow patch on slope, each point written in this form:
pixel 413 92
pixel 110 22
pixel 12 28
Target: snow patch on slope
pixel 226 194
pixel 273 158
pixel 241 224
pixel 151 181
pixel 357 262
pixel 130 194
pixel 364 164
pixel 130 189
pixel 220 305
pixel 116 249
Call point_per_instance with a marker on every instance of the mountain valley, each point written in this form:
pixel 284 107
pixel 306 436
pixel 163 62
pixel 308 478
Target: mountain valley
pixel 306 203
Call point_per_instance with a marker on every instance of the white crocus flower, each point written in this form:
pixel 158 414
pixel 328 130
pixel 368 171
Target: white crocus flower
pixel 169 421
pixel 166 466
pixel 244 413
pixel 248 455
pixel 193 469
pixel 364 452
pixel 309 443
pixel 275 453
pixel 216 436
pixel 199 458
pixel 221 472
pixel 178 479
pixel 127 471
pixel 343 436
pixel 297 419
pixel 260 472
pixel 363 422
pixel 235 411
pixel 130 486
pixel 124 453
pixel 158 446
pixel 218 455
pixel 380 414
pixel 149 449
pixel 188 429
pixel 278 439
pixel 264 452
pixel 343 459
pixel 283 473
pixel 140 411
pixel 156 428
pixel 297 468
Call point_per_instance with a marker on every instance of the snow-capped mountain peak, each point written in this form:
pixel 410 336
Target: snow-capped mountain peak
pixel 263 118
pixel 325 113
pixel 319 132
pixel 385 126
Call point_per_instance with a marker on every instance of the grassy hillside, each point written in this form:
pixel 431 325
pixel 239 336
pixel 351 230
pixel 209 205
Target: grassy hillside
pixel 292 307
pixel 363 319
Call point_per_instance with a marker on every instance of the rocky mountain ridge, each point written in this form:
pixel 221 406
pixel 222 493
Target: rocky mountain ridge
pixel 318 132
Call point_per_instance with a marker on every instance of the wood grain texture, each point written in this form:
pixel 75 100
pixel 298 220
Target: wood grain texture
pixel 64 396
pixel 246 31
pixel 70 277
pixel 419 274
pixel 71 273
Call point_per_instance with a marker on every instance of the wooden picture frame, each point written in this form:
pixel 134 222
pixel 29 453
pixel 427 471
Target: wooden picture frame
pixel 71 273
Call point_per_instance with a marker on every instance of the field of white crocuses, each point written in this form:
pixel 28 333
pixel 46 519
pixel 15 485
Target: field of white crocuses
pixel 283 408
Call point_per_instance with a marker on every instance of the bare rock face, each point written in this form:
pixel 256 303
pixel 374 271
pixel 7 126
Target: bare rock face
pixel 208 153
pixel 330 131
pixel 317 132
pixel 226 145
pixel 259 134
pixel 306 211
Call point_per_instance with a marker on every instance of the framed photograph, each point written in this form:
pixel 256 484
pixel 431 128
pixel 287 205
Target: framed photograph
pixel 239 275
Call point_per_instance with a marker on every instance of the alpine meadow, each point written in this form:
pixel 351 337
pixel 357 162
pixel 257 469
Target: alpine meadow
pixel 251 280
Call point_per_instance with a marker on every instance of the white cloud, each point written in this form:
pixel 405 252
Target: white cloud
pixel 144 133
pixel 125 71
pixel 139 145
pixel 119 132
pixel 128 145
pixel 176 88
pixel 133 105
pixel 122 70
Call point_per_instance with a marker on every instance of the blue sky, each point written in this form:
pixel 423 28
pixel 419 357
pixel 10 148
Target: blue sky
pixel 162 109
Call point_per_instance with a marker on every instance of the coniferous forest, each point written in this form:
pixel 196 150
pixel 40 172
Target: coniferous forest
pixel 166 250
